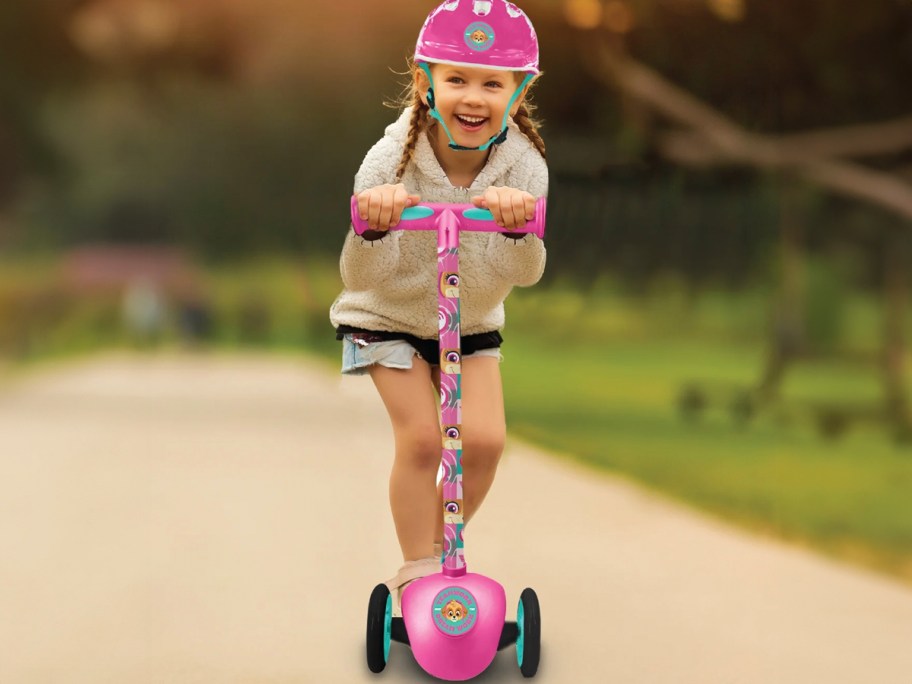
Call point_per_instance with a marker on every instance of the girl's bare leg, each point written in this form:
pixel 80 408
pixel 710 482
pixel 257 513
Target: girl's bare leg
pixel 483 433
pixel 412 406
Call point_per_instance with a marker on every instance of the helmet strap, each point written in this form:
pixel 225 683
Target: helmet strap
pixel 496 139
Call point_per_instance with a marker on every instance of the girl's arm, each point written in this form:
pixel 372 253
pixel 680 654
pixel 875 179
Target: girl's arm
pixel 364 261
pixel 520 259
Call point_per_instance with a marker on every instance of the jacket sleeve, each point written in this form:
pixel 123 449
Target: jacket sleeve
pixel 522 261
pixel 379 165
pixel 519 262
pixel 364 263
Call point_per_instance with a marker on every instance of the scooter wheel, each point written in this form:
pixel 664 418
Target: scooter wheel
pixel 379 621
pixel 528 643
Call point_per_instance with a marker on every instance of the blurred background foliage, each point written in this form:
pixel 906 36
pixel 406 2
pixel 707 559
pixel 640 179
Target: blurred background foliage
pixel 231 126
pixel 177 172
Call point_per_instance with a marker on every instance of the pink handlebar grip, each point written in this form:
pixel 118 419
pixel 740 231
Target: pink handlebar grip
pixel 470 217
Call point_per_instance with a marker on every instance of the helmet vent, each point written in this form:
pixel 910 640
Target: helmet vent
pixel 482 7
pixel 451 6
pixel 513 10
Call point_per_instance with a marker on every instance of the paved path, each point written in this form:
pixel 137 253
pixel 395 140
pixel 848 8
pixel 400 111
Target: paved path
pixel 220 520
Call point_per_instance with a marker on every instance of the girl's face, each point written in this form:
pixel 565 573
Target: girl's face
pixel 471 100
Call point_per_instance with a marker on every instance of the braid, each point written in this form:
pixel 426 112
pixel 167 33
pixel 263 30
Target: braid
pixel 417 124
pixel 529 127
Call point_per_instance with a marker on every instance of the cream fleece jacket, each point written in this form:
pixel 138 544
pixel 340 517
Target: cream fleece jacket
pixel 390 283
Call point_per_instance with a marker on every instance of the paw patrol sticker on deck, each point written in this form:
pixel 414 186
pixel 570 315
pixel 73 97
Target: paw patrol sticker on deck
pixel 479 36
pixel 455 611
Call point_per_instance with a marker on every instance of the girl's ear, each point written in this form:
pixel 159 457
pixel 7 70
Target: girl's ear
pixel 422 85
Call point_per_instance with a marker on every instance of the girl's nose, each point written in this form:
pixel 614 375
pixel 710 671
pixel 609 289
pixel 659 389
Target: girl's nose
pixel 473 96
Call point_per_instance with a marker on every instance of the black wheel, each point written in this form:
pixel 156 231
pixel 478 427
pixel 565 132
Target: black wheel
pixel 528 643
pixel 379 620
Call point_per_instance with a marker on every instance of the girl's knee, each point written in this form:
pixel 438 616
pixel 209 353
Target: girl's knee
pixel 419 447
pixel 483 448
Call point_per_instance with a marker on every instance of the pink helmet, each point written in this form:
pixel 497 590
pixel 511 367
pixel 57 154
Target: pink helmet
pixel 486 33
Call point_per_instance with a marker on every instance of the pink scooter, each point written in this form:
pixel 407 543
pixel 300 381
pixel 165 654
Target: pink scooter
pixel 454 621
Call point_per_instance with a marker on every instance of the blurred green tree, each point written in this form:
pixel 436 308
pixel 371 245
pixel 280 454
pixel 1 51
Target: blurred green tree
pixel 233 126
pixel 35 57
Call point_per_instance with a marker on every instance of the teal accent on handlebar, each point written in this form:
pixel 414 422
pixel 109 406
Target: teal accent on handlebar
pixel 477 214
pixel 415 213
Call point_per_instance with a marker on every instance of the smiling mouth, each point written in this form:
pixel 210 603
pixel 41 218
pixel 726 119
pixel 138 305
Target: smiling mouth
pixel 471 123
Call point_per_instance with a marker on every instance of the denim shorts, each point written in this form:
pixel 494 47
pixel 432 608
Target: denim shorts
pixel 389 353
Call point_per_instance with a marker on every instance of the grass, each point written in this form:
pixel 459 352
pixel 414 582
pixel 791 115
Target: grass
pixel 596 378
pixel 605 393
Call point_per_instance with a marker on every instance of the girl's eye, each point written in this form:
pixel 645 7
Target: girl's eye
pixel 494 84
pixel 454 79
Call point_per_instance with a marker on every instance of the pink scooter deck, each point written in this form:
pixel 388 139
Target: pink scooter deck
pixel 454 623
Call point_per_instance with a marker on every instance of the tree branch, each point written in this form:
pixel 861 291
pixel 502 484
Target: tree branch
pixel 712 138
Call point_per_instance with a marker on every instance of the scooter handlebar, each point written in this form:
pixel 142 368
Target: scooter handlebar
pixel 470 217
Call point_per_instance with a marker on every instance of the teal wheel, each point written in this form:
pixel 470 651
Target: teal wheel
pixel 379 623
pixel 528 643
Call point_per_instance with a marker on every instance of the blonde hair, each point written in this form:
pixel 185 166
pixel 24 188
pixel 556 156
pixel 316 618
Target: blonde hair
pixel 421 120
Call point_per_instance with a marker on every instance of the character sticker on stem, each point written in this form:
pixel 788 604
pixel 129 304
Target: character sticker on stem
pixel 451 438
pixel 450 362
pixel 449 284
pixel 452 512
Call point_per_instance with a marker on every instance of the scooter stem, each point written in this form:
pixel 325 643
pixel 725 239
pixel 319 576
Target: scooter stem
pixel 449 220
pixel 450 392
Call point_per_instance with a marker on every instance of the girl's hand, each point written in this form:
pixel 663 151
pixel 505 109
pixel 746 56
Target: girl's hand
pixel 382 206
pixel 510 207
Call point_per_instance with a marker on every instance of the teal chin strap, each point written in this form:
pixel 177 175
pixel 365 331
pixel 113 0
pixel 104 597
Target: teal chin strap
pixel 495 139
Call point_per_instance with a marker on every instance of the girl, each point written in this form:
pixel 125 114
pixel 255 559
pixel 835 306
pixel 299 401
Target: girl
pixel 465 136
